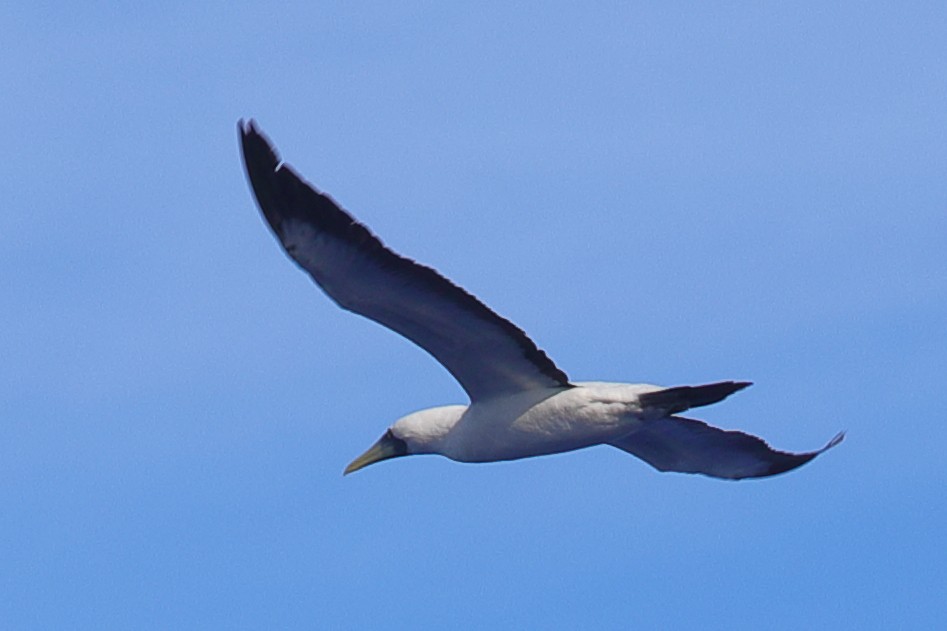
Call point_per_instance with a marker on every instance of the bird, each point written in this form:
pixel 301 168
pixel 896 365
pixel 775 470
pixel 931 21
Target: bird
pixel 521 404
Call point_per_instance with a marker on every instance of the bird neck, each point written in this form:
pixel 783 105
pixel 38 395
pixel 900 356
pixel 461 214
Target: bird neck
pixel 424 431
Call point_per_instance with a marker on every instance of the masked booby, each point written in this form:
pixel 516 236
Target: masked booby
pixel 521 403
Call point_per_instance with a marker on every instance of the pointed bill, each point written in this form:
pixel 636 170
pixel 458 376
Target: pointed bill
pixel 388 446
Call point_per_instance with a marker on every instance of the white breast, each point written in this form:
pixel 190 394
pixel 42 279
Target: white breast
pixel 544 422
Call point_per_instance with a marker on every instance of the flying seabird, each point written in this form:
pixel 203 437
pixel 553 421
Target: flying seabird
pixel 521 403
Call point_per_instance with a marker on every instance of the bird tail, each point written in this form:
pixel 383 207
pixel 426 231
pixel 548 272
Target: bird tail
pixel 680 398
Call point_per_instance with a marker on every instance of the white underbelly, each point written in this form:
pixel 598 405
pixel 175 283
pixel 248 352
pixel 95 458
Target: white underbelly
pixel 521 427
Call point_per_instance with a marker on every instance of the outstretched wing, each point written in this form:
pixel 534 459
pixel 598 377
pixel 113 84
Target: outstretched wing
pixel 688 446
pixel 487 354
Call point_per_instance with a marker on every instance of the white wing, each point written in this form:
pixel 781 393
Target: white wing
pixel 487 354
pixel 688 446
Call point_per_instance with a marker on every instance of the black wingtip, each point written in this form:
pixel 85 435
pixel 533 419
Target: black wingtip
pixel 838 438
pixel 248 127
pixel 282 194
pixel 788 461
pixel 785 463
pixel 262 164
pixel 258 150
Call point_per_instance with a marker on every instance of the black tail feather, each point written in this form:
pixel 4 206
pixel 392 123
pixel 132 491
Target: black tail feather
pixel 680 398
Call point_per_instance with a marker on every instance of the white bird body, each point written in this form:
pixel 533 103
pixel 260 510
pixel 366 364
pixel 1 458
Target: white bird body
pixel 522 404
pixel 526 424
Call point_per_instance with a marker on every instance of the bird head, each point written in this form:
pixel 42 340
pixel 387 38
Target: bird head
pixel 418 433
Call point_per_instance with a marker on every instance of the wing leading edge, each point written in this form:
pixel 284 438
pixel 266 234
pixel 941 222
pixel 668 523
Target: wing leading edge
pixel 486 353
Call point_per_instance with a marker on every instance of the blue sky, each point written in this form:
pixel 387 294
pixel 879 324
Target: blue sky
pixel 665 192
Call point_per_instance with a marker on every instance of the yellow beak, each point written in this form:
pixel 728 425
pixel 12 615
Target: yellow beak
pixel 388 446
